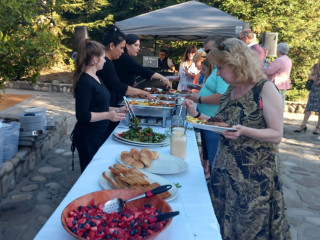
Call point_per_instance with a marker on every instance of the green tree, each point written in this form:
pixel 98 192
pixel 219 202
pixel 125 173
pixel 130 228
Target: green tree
pixel 26 42
pixel 94 14
pixel 297 22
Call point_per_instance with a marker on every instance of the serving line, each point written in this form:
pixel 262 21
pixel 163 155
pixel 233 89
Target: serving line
pixel 196 220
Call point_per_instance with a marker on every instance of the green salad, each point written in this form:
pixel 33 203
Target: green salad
pixel 143 135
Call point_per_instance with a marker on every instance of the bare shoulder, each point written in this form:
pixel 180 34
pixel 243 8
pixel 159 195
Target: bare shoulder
pixel 269 88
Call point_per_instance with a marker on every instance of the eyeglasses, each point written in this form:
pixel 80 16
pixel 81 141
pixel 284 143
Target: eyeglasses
pixel 223 47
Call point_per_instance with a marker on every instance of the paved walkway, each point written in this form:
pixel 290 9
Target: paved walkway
pixel 27 208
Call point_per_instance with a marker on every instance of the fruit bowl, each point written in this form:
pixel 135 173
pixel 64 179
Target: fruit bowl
pixel 105 195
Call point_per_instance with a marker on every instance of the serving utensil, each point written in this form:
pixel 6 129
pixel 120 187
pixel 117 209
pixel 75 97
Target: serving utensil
pixel 117 204
pixel 160 217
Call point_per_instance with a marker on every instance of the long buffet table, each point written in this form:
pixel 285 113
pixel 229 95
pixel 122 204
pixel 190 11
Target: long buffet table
pixel 196 220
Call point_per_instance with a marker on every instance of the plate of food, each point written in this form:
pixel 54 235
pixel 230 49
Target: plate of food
pixel 212 124
pixel 193 86
pixel 121 177
pixel 152 161
pixel 141 137
pixel 182 93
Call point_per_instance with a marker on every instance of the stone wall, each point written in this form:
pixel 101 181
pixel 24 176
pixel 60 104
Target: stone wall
pixel 13 171
pixel 55 86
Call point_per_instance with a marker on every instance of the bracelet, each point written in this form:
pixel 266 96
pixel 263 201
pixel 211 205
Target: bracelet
pixel 199 100
pixel 198 115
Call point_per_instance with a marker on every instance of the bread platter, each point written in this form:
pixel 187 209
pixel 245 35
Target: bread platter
pixel 161 164
pixel 108 180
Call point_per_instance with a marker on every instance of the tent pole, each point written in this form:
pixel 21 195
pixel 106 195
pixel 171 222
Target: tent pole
pixel 155 46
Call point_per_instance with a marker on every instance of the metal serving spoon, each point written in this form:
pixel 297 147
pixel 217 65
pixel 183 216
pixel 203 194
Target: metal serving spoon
pixel 117 204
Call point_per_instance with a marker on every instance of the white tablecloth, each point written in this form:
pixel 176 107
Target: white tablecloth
pixel 196 219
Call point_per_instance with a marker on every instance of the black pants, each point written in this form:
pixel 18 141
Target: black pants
pixel 87 141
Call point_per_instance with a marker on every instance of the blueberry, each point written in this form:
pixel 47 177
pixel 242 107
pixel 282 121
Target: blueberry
pixel 146 205
pixel 74 222
pixel 158 211
pixel 143 233
pixel 103 224
pixel 119 221
pixel 114 220
pixel 122 214
pixel 132 232
pixel 127 215
pixel 85 234
pixel 108 236
pixel 80 207
pixel 132 222
pixel 115 231
pixel 136 230
pixel 150 227
pixel 80 226
pixel 96 217
pixel 137 220
pixel 92 224
pixel 94 206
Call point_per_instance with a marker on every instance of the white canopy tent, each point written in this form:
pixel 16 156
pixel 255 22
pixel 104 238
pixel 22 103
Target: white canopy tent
pixel 186 21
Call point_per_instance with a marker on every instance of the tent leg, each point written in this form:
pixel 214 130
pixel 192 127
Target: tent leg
pixel 155 47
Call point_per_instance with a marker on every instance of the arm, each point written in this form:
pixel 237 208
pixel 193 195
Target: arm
pixel 273 115
pixel 171 65
pixel 192 110
pixel 213 99
pixel 273 67
pixel 165 81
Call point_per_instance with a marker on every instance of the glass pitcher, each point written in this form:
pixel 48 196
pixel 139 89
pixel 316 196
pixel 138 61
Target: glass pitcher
pixel 178 145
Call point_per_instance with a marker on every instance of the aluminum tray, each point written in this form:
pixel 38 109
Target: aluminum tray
pixel 152 111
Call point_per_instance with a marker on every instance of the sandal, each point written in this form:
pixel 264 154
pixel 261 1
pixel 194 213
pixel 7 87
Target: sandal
pixel 303 128
pixel 316 131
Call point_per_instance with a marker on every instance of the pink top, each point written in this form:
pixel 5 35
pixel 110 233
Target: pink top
pixel 279 72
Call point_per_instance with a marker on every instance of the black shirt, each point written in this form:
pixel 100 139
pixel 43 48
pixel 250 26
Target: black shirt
pixel 91 96
pixel 128 69
pixel 112 82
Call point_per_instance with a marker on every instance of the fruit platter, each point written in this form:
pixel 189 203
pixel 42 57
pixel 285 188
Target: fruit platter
pixel 84 217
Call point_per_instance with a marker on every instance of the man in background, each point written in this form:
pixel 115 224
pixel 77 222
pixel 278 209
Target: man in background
pixel 165 63
pixel 247 36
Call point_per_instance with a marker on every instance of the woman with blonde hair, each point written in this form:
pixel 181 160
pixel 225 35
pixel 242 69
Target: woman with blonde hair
pixel 93 111
pixel 313 100
pixel 245 185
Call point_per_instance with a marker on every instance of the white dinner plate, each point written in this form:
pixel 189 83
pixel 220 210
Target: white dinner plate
pixel 211 127
pixel 137 144
pixel 152 178
pixel 164 164
pixel 194 86
pixel 165 142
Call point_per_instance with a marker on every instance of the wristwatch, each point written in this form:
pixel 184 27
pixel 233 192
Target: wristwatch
pixel 199 100
pixel 198 115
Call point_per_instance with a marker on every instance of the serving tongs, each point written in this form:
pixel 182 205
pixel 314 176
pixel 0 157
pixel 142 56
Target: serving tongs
pixel 132 116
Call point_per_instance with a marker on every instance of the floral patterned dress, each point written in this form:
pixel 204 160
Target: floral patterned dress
pixel 314 95
pixel 245 185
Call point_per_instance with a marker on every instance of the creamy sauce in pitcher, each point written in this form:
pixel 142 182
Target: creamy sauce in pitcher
pixel 178 145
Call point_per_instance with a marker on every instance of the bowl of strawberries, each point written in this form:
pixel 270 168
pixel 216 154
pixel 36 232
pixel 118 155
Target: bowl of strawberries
pixel 84 217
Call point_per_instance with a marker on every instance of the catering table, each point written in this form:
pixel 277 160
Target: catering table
pixel 196 220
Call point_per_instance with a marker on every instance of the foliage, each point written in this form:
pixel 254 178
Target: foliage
pixel 297 23
pixel 27 44
pixel 94 14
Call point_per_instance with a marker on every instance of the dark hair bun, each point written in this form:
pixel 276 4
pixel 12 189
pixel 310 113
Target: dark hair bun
pixel 131 38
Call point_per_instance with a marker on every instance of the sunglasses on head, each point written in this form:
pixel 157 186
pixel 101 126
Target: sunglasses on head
pixel 223 47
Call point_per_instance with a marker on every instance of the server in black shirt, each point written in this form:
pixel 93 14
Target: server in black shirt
pixel 93 111
pixel 128 69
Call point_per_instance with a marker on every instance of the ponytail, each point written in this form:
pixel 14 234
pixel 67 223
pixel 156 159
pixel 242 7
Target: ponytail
pixel 86 51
